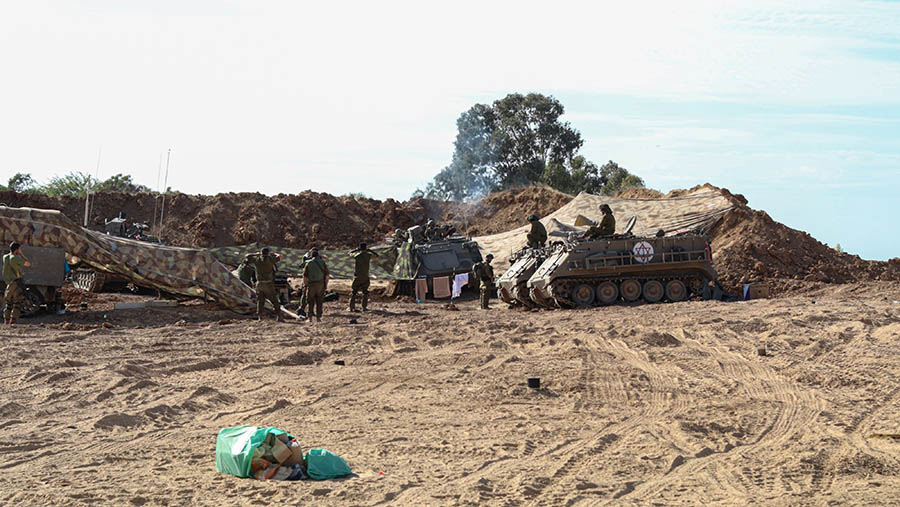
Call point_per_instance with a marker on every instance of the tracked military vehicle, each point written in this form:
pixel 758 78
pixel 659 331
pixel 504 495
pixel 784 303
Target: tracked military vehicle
pixel 419 256
pixel 91 280
pixel 604 271
pixel 512 286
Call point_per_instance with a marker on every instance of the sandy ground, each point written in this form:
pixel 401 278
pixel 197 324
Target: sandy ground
pixel 664 404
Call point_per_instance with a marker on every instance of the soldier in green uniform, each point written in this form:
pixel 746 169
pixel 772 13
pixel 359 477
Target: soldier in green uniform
pixel 245 271
pixel 537 237
pixel 485 273
pixel 606 227
pixel 315 280
pixel 363 257
pixel 14 264
pixel 265 264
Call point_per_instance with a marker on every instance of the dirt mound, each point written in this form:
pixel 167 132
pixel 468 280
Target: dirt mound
pixel 297 220
pixel 748 245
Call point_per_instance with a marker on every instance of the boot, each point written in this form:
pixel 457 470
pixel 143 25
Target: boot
pixel 12 322
pixel 353 302
pixel 365 301
pixel 279 318
pixel 258 316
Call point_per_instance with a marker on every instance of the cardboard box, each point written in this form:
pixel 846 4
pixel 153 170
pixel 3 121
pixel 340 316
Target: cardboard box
pixel 296 455
pixel 756 291
pixel 280 451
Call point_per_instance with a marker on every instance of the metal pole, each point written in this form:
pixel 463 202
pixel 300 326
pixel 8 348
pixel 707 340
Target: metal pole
pixel 87 193
pixel 162 213
pixel 156 197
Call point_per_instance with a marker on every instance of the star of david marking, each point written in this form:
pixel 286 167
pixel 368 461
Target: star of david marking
pixel 643 252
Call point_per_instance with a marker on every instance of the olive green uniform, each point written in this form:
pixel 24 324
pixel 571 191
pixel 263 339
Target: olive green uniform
pixel 15 292
pixel 245 272
pixel 607 225
pixel 315 273
pixel 485 273
pixel 363 258
pixel 537 237
pixel 265 282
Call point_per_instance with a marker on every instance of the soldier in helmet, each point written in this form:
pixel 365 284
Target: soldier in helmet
pixel 606 227
pixel 485 274
pixel 430 230
pixel 363 257
pixel 265 264
pixel 537 237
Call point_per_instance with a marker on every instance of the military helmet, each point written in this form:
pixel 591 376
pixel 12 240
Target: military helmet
pixel 489 257
pixel 264 251
pixel 606 208
pixel 429 222
pixel 532 217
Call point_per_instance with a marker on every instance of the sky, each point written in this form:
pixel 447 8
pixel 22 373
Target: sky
pixel 795 105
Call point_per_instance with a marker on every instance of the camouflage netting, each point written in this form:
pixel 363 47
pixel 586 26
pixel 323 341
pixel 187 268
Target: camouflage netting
pixel 699 209
pixel 340 263
pixel 185 271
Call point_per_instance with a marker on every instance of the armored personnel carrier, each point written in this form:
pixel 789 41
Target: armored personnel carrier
pixel 419 257
pixel 91 280
pixel 512 286
pixel 604 271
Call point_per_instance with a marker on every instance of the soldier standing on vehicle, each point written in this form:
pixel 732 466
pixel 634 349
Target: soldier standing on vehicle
pixel 363 257
pixel 265 264
pixel 315 280
pixel 14 264
pixel 537 237
pixel 485 273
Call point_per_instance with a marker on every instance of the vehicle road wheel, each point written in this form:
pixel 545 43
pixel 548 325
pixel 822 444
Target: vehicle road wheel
pixel 583 294
pixel 32 304
pixel 676 291
pixel 653 291
pixel 631 290
pixel 607 292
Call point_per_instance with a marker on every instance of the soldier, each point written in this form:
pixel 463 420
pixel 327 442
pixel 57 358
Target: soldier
pixel 606 227
pixel 608 222
pixel 13 265
pixel 430 230
pixel 537 237
pixel 485 273
pixel 363 257
pixel 315 280
pixel 265 265
pixel 245 271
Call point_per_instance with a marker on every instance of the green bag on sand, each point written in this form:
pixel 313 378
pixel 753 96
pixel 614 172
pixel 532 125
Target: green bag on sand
pixel 235 446
pixel 323 464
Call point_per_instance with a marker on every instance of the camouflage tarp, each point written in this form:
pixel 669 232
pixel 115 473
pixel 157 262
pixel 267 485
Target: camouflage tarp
pixel 185 271
pixel 340 263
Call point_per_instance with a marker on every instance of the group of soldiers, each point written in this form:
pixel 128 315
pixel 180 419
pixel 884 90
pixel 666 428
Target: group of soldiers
pixel 258 270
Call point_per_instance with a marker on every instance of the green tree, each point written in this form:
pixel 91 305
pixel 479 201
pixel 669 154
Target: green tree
pixel 74 184
pixel 528 135
pixel 573 176
pixel 520 140
pixel 121 183
pixel 617 178
pixel 22 182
